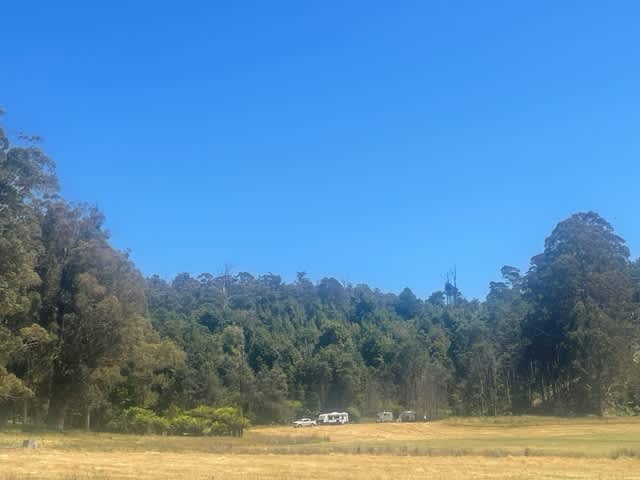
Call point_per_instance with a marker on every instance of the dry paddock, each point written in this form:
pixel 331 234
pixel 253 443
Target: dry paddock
pixel 57 464
pixel 502 448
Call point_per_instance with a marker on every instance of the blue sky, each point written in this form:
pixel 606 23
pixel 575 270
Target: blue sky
pixel 378 142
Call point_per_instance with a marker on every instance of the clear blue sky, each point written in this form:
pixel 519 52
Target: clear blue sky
pixel 378 142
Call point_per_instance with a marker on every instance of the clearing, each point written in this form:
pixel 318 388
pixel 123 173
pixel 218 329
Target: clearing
pixel 497 448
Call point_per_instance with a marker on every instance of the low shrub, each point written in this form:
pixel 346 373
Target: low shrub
pixel 187 425
pixel 223 421
pixel 139 420
pixel 203 420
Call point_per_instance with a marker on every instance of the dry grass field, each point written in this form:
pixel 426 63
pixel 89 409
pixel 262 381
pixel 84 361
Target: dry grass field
pixel 502 448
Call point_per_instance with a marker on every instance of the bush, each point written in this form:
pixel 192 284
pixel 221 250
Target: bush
pixel 223 421
pixel 202 420
pixel 139 420
pixel 354 414
pixel 187 425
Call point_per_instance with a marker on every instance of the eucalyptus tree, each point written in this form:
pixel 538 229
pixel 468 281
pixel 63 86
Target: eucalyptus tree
pixel 582 327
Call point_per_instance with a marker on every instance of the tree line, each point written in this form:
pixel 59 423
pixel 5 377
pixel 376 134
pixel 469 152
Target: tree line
pixel 86 340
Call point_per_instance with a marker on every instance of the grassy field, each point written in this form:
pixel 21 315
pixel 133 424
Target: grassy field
pixel 514 448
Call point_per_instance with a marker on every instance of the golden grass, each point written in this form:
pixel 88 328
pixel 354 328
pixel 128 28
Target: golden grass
pixel 505 448
pixel 155 465
pixel 591 437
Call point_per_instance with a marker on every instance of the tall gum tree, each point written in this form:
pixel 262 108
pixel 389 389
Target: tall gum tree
pixel 582 325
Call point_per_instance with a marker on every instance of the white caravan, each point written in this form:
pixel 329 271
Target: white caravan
pixel 334 418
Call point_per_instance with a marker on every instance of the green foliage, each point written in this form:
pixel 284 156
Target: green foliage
pixel 84 336
pixel 582 331
pixel 139 420
pixel 187 425
pixel 11 387
pixel 202 420
pixel 223 421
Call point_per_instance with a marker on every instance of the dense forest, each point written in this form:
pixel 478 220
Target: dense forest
pixel 86 340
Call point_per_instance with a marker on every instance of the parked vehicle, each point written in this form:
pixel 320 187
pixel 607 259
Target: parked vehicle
pixel 385 417
pixel 304 422
pixel 407 416
pixel 333 418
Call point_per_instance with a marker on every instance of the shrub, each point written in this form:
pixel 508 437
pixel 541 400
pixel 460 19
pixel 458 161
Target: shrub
pixel 187 425
pixel 354 413
pixel 139 420
pixel 202 420
pixel 220 421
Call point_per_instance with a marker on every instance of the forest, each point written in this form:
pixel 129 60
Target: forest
pixel 87 341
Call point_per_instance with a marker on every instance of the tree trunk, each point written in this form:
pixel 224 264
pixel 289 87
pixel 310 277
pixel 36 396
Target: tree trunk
pixel 57 413
pixel 36 413
pixel 4 416
pixel 25 412
pixel 87 420
pixel 62 413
